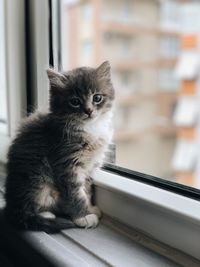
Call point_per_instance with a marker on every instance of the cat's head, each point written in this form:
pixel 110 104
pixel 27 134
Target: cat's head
pixel 85 93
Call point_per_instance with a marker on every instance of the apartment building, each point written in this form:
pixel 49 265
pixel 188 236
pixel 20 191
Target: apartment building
pixel 142 41
pixel 186 117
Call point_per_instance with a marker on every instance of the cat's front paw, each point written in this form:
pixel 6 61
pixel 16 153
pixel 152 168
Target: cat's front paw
pixel 95 210
pixel 89 221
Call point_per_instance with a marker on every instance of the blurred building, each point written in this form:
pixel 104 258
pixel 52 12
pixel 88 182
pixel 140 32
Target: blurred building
pixel 142 40
pixel 186 160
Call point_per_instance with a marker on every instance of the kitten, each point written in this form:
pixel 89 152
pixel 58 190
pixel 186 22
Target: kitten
pixel 54 155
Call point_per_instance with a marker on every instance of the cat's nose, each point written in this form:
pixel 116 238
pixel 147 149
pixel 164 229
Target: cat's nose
pixel 88 111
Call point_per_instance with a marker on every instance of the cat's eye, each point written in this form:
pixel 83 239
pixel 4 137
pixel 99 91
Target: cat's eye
pixel 75 102
pixel 97 98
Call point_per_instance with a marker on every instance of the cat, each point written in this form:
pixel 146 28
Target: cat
pixel 53 157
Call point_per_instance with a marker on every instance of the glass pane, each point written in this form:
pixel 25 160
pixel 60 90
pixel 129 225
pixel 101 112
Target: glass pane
pixel 3 97
pixel 153 48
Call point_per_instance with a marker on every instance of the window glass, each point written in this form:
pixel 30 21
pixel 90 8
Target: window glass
pixel 153 47
pixel 3 96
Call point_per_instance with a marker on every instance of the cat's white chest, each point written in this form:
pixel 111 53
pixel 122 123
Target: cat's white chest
pixel 100 128
pixel 99 135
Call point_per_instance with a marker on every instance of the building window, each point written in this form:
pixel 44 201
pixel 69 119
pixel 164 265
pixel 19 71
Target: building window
pixel 170 15
pixel 87 12
pixel 169 47
pixel 189 17
pixel 127 11
pixel 168 80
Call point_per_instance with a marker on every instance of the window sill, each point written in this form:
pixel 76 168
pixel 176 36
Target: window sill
pixel 168 217
pixel 110 244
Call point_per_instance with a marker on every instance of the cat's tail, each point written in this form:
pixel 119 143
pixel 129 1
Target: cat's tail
pixel 35 222
pixel 38 223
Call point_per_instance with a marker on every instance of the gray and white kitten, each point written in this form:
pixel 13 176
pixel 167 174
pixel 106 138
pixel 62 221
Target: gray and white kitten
pixel 51 160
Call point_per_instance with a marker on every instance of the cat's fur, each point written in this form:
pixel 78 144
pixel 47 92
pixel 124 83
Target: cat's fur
pixel 53 156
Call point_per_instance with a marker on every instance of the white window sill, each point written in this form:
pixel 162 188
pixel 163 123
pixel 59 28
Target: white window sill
pixel 166 216
pixel 111 243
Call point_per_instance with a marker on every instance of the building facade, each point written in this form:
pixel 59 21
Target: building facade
pixel 142 39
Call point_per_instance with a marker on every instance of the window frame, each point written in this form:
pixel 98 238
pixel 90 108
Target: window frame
pixel 15 62
pixel 38 58
pixel 146 203
pixel 181 189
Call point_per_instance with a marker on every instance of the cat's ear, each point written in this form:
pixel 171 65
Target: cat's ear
pixel 103 71
pixel 56 78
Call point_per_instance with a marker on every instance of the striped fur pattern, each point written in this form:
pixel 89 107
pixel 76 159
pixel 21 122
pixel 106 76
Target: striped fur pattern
pixel 52 158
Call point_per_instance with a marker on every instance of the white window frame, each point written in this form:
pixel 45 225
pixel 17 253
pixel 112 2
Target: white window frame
pixel 39 51
pixel 15 69
pixel 170 218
